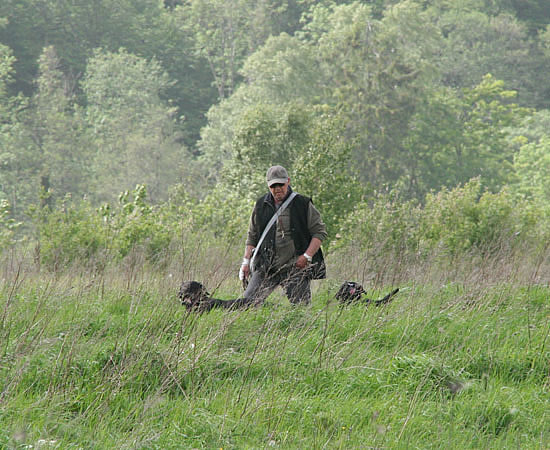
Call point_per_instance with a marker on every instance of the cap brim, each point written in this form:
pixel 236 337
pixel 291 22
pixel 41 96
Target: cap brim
pixel 277 180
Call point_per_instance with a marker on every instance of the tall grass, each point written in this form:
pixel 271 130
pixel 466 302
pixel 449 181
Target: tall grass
pixel 109 359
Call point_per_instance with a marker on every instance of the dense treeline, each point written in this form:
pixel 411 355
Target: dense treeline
pixel 368 103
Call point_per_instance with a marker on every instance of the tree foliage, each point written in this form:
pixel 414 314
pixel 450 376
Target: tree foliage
pixel 57 131
pixel 476 44
pixel 531 160
pixel 43 140
pixel 7 123
pixel 133 129
pixel 459 136
pixel 368 69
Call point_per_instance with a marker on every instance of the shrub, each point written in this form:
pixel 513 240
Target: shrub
pixel 385 223
pixel 138 225
pixel 70 232
pixel 466 218
pixel 453 221
pixel 77 231
pixel 8 226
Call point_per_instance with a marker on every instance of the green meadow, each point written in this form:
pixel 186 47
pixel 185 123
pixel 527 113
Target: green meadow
pixel 110 359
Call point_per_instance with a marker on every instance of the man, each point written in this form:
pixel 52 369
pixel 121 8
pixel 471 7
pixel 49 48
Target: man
pixel 289 255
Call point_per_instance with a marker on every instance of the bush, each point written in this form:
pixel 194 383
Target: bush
pixel 79 232
pixel 8 226
pixel 71 232
pixel 76 231
pixel 137 225
pixel 453 221
pixel 385 223
pixel 465 218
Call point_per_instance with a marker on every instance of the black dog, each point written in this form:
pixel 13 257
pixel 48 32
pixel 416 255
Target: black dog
pixel 194 296
pixel 351 292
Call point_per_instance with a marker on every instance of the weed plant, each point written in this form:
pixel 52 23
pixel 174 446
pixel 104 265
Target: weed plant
pixel 110 359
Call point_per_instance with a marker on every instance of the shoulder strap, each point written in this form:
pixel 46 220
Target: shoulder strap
pixel 269 225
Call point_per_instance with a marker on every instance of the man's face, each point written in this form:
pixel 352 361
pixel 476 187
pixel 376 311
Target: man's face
pixel 279 191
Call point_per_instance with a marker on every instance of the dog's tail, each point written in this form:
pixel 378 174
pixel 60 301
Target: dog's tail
pixel 386 299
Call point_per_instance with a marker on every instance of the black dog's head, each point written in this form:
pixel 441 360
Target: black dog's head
pixel 192 294
pixel 349 292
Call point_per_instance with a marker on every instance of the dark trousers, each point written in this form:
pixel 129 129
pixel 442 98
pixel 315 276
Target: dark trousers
pixel 294 281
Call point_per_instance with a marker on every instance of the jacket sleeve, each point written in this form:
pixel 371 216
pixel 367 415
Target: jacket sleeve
pixel 252 236
pixel 315 224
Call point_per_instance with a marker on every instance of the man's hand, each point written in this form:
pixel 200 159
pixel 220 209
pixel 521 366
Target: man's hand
pixel 303 261
pixel 244 271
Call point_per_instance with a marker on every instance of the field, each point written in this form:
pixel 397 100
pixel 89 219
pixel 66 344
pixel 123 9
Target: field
pixel 109 359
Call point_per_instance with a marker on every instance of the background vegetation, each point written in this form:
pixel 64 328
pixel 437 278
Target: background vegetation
pixel 134 139
pixel 410 96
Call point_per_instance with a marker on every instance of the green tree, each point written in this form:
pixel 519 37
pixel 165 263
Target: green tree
pixel 134 131
pixel 535 13
pixel 475 44
pixel 532 158
pixel 545 41
pixel 372 71
pixel 324 172
pixel 191 90
pixel 532 167
pixel 76 28
pixel 45 150
pixel 225 32
pixel 57 131
pixel 10 127
pixel 6 112
pixel 308 142
pixel 265 135
pixel 459 136
pixel 379 71
pixel 281 72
